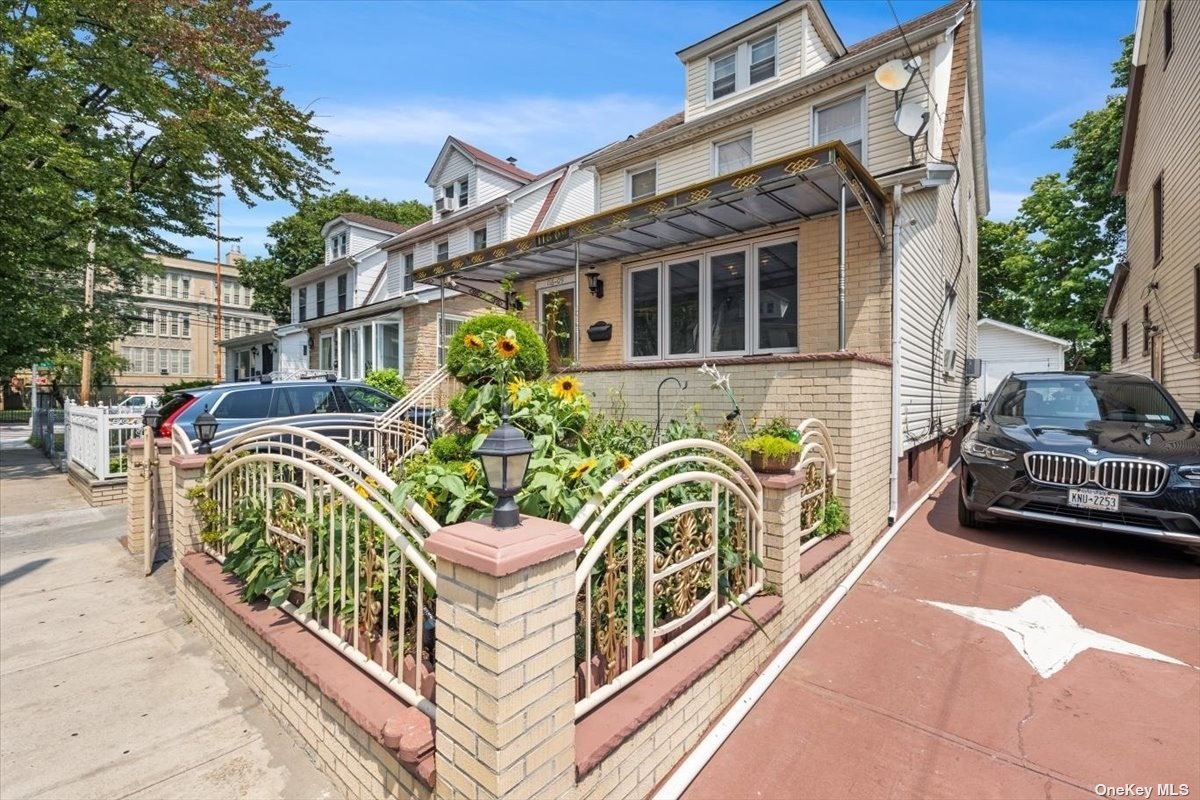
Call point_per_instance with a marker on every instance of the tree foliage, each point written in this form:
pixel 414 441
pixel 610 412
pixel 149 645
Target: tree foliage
pixel 297 244
pixel 116 119
pixel 1049 269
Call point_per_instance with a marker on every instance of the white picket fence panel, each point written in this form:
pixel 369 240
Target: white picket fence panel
pixel 96 439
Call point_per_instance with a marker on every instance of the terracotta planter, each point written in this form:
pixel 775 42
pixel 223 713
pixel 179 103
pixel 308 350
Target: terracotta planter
pixel 771 466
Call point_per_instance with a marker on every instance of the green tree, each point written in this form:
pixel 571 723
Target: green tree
pixel 1049 269
pixel 67 370
pixel 116 120
pixel 296 244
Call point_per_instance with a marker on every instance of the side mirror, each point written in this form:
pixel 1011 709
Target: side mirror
pixel 977 410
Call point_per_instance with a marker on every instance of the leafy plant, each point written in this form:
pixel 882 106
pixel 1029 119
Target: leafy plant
pixel 387 380
pixel 835 519
pixel 781 428
pixel 772 447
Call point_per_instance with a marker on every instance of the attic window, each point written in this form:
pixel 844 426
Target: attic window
pixel 456 194
pixel 751 62
pixel 338 246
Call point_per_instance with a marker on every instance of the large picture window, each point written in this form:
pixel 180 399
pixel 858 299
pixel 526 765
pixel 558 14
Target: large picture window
pixel 722 302
pixel 373 345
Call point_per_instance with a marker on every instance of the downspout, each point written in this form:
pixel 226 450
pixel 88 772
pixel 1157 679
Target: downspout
pixel 578 299
pixel 842 268
pixel 897 348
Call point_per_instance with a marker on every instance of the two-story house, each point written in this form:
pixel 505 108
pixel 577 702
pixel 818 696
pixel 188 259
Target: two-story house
pixel 1154 296
pixel 806 223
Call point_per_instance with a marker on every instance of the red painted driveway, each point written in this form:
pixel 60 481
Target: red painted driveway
pixel 896 698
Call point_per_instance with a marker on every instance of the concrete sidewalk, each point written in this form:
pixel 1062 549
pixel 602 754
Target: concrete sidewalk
pixel 105 690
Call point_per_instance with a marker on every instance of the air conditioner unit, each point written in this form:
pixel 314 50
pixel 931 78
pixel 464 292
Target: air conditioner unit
pixel 972 368
pixel 444 205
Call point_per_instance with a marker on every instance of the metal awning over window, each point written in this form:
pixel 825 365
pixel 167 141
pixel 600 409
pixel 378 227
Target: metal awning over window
pixel 801 186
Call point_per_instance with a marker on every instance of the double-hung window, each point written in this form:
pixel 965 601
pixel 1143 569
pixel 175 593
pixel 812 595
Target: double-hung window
pixel 842 120
pixel 722 302
pixel 341 290
pixel 733 155
pixel 303 303
pixel 321 299
pixel 409 265
pixel 751 62
pixel 479 239
pixel 643 183
pixel 463 194
pixel 443 251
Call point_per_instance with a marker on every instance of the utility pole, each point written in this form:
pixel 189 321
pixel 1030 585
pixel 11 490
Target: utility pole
pixel 217 294
pixel 89 281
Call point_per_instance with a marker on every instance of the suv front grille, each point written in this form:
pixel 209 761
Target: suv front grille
pixel 1130 477
pixel 1124 475
pixel 1057 470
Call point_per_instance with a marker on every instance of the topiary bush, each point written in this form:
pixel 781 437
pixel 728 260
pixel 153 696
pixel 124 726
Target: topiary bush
pixel 387 380
pixel 529 362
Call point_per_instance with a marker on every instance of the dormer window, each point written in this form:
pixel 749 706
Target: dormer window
pixel 751 62
pixel 338 246
pixel 455 195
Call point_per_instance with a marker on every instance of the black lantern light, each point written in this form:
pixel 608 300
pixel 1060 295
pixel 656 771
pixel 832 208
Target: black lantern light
pixel 595 285
pixel 150 419
pixel 505 456
pixel 206 429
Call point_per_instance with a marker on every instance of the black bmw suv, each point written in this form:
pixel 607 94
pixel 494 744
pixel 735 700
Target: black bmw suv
pixel 1103 451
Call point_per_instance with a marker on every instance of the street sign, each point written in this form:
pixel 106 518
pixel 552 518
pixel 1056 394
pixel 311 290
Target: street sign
pixel 45 364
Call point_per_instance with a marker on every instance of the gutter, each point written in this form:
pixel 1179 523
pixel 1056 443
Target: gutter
pixel 686 772
pixel 897 347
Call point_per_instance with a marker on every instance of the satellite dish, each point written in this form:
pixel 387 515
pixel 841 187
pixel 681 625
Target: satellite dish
pixel 911 119
pixel 895 75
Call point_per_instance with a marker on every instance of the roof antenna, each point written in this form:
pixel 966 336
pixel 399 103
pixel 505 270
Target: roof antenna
pixel 512 160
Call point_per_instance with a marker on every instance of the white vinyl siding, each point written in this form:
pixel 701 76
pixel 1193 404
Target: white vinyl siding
pixel 524 211
pixel 1002 351
pixel 488 186
pixel 362 239
pixel 576 199
pixel 776 135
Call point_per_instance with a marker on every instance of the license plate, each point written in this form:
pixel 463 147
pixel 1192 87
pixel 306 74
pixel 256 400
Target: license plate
pixel 1093 499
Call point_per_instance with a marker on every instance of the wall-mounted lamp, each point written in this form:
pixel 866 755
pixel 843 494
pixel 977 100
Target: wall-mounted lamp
pixel 595 285
pixel 254 351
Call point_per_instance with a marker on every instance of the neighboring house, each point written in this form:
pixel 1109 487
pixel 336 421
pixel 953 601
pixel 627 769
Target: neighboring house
pixel 1154 296
pixel 176 338
pixel 1005 348
pixel 764 228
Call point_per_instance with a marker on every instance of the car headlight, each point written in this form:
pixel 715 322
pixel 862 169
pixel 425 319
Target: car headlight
pixel 973 447
pixel 1191 473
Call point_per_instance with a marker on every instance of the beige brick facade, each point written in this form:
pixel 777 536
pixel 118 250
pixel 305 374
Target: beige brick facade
pixel 135 495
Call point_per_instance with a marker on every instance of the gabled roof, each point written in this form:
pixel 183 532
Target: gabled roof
pixel 946 12
pixel 479 157
pixel 354 218
pixel 1004 326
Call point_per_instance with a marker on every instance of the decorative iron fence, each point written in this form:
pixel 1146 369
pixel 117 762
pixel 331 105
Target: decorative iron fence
pixel 45 426
pixel 672 545
pixel 818 466
pixel 96 439
pixel 309 523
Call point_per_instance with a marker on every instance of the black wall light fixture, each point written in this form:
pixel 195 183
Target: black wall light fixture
pixel 595 285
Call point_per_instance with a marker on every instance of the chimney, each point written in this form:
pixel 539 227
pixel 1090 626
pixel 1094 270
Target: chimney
pixel 235 256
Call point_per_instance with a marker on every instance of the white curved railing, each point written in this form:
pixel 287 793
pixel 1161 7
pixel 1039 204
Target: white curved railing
pixel 352 565
pixel 818 467
pixel 678 532
pixel 180 444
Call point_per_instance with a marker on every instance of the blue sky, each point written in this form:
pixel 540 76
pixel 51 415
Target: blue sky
pixel 546 81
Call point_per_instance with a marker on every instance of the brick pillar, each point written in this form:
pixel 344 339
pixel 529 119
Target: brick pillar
pixel 185 522
pixel 781 540
pixel 506 660
pixel 135 482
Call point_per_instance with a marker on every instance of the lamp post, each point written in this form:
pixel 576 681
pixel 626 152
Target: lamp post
pixel 206 430
pixel 150 419
pixel 505 456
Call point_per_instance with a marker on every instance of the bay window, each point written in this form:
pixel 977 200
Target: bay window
pixel 700 304
pixel 365 347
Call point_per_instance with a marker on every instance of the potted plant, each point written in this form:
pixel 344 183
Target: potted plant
pixel 771 453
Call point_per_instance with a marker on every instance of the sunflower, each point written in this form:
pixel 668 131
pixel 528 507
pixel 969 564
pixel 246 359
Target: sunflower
pixel 473 342
pixel 507 347
pixel 623 462
pixel 362 491
pixel 430 502
pixel 565 387
pixel 582 468
pixel 514 390
pixel 470 470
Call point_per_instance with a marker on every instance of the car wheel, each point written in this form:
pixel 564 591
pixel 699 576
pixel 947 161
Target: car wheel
pixel 966 517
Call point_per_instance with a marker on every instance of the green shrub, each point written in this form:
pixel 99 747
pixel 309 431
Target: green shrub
pixel 180 386
pixel 835 518
pixel 463 363
pixel 450 447
pixel 387 380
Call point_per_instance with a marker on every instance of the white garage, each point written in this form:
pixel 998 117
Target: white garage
pixel 1005 348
